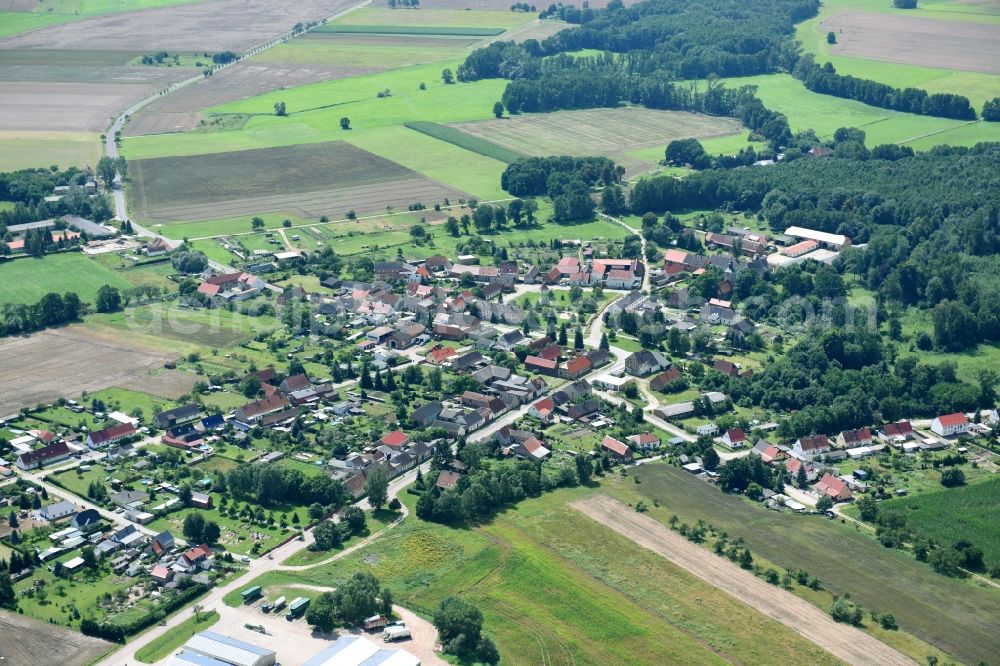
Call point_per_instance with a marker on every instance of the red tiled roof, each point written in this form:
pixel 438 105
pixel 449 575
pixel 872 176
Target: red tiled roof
pixel 395 439
pixel 551 352
pixel 114 432
pixel 831 485
pixel 899 428
pixel 578 364
pixel 545 404
pixel 612 444
pixel 814 442
pixel 859 435
pixel 952 419
pixel 736 435
pixel 537 362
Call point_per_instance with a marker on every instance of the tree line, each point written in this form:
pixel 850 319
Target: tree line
pixel 825 80
pixel 269 485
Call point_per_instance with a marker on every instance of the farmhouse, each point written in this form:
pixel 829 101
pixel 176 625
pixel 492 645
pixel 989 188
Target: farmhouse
pixel 575 367
pixel 794 465
pixel 950 425
pixel 645 441
pixel 44 456
pixel 660 381
pixel 541 365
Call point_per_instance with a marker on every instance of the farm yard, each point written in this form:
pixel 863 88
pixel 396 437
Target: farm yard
pixel 29 641
pixel 954 615
pixel 911 40
pixel 309 180
pixel 184 27
pixel 67 361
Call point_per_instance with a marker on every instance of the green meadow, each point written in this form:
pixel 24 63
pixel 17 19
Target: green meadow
pixel 26 280
pixel 65 11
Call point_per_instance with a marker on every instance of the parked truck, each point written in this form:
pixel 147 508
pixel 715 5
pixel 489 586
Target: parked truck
pixel 252 594
pixel 395 633
pixel 278 604
pixel 297 608
pixel 375 622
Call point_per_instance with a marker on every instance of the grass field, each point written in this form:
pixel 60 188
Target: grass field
pixel 956 616
pixel 27 280
pixel 825 113
pixel 364 53
pixel 468 141
pixel 950 514
pixel 25 150
pixel 556 588
pixel 164 645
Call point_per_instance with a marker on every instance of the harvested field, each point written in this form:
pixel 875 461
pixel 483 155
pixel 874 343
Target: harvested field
pixel 212 26
pixel 178 111
pixel 24 150
pixel 602 131
pixel 27 642
pixel 64 362
pixel 411 30
pixel 966 46
pixel 70 107
pixel 73 66
pixel 845 642
pixel 307 180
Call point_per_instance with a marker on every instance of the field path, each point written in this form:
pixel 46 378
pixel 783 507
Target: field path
pixel 843 641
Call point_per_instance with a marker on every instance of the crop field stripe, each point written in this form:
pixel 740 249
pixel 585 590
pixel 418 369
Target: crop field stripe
pixel 468 141
pixel 457 31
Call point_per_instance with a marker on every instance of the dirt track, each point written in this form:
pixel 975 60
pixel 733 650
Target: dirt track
pixel 843 641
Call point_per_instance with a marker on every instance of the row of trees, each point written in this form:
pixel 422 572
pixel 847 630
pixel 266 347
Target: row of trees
pixel 269 485
pixel 825 79
pixel 51 309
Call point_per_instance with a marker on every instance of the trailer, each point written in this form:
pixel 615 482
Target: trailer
pixel 395 633
pixel 278 604
pixel 375 622
pixel 252 594
pixel 297 608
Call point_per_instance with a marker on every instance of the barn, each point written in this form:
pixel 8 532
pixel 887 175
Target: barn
pixel 226 650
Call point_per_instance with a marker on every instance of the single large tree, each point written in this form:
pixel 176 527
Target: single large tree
pixel 377 487
pixel 109 299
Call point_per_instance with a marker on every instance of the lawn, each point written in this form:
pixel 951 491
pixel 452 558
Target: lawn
pixel 26 280
pixel 188 327
pixel 376 522
pixel 164 645
pixel 956 616
pixel 948 515
pixel 125 400
pixel 555 587
pixel 144 274
pixel 825 113
pixel 236 533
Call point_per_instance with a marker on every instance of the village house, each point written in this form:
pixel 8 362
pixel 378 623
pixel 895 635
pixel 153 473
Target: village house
pixel 645 362
pixel 617 450
pixel 249 414
pixel 645 441
pixel 896 432
pixel 543 410
pixel 575 367
pixel 834 488
pixel 56 511
pixel 438 354
pixel 706 429
pixel 813 445
pixel 734 438
pixel 541 365
pixel 176 416
pixel 46 455
pixel 849 439
pixel 112 435
pixel 950 425
pixel 231 286
pixel 662 380
pixel 396 440
pixel 447 479
pixel 769 453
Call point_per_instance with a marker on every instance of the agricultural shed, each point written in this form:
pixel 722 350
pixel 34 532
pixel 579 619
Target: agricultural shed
pixel 229 650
